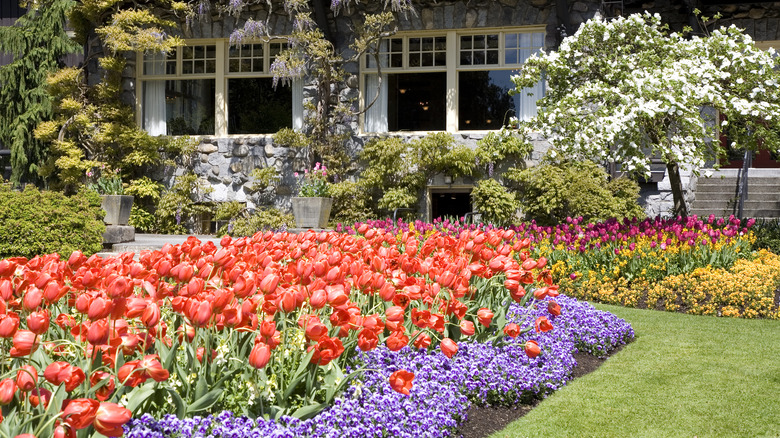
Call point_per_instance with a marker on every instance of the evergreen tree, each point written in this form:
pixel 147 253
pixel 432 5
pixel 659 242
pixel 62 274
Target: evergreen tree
pixel 38 42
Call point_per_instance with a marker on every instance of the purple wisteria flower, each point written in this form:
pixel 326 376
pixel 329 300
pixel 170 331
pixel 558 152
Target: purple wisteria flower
pixel 443 391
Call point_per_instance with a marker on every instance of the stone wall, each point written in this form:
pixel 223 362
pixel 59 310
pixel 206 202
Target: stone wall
pixel 227 162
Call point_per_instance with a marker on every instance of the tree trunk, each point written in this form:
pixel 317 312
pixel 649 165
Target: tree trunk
pixel 680 208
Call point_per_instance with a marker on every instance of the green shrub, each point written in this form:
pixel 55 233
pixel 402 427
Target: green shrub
pixel 767 234
pixel 351 203
pixel 497 205
pixel 262 219
pixel 551 192
pixel 34 222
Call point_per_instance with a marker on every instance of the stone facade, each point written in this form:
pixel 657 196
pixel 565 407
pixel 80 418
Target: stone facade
pixel 227 162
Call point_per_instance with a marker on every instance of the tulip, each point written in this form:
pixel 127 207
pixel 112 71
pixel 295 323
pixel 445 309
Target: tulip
pixel 7 391
pixel 25 342
pixel 554 308
pixel 395 313
pixel 64 431
pixel 151 315
pixel 109 419
pixel 512 330
pixel 104 392
pixel 467 328
pixel 542 324
pixel 326 350
pixel 80 413
pixel 97 334
pixel 260 355
pixel 485 316
pixel 40 396
pixel 153 368
pixel 63 372
pixel 448 347
pixel 401 381
pixel 9 324
pixel 38 322
pixel 26 378
pixel 421 340
pixel 532 349
pixel 367 340
pixel 202 314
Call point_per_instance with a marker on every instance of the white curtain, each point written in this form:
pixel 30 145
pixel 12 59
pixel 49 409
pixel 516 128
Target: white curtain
pixel 297 103
pixel 376 116
pixel 527 108
pixel 153 103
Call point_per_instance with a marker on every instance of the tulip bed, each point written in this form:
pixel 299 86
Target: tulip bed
pixel 699 266
pixel 286 328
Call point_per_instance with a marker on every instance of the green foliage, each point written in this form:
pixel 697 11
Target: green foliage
pixel 107 182
pixel 290 138
pixel 767 234
pixel 142 220
pixel 261 220
pixel 503 147
pixel 263 178
pixel 144 188
pixel 228 210
pixel 497 205
pixel 37 42
pixel 351 203
pixel 550 193
pixel 314 183
pixel 397 171
pixel 180 206
pixel 34 222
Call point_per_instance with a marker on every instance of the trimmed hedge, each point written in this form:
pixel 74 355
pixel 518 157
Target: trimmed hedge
pixel 34 222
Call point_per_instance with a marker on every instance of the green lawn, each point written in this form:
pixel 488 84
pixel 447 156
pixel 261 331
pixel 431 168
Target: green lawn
pixel 683 376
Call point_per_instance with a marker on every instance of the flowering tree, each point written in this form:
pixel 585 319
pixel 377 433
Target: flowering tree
pixel 627 89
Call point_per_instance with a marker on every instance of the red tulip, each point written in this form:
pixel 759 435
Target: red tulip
pixel 395 313
pixel 32 299
pixel 99 308
pixel 38 322
pixel 25 435
pixel 485 316
pixel 201 314
pixel 130 375
pixel 542 324
pixel 326 350
pixel 401 381
pixel 7 391
pixel 260 355
pixel 104 392
pixel 64 431
pixel 532 349
pixel 512 330
pixel 7 268
pixel 554 308
pixel 467 328
pixel 396 341
pixel 63 372
pixel 25 342
pixel 26 378
pixel 40 396
pixel 153 368
pixel 80 413
pixel 448 347
pixel 367 340
pixel 97 334
pixel 422 340
pixel 151 315
pixel 9 324
pixel 109 419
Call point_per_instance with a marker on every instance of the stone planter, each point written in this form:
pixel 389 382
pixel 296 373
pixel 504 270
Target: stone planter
pixel 311 212
pixel 117 209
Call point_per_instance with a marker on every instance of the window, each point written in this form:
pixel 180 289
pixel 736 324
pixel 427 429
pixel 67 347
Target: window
pixel 215 89
pixel 457 81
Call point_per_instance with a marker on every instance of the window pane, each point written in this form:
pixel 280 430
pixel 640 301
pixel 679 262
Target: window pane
pixel 234 52
pixel 492 41
pixel 465 42
pixel 180 107
pixel 440 58
pixel 396 60
pixel 511 40
pixel 414 60
pixel 257 64
pixel 484 101
pixel 211 51
pixel 396 45
pixel 441 43
pixel 479 41
pixel 492 57
pixel 511 57
pixel 211 66
pixel 234 66
pixel 465 58
pixel 187 52
pixel 417 101
pixel 256 107
pixel 414 44
pixel 186 67
pixel 427 59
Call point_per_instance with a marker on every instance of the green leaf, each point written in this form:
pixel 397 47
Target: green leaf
pixel 205 402
pixel 181 408
pixel 308 411
pixel 139 395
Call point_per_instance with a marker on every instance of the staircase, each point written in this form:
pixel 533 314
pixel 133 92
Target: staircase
pixel 718 194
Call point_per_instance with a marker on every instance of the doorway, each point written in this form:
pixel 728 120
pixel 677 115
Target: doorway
pixel 450 202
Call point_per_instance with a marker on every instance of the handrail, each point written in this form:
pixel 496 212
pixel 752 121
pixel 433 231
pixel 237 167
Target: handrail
pixel 469 214
pixel 742 190
pixel 395 212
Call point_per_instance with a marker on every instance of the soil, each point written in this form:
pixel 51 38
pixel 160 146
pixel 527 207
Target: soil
pixel 485 420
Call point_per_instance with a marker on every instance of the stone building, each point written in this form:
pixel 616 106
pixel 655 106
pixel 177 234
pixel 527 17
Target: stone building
pixel 446 69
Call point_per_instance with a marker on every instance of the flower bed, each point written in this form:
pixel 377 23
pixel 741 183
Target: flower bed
pixel 270 326
pixel 444 388
pixel 701 266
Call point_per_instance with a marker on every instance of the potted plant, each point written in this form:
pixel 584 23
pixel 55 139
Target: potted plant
pixel 311 207
pixel 108 183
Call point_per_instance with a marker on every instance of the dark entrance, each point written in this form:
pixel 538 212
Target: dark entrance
pixel 447 204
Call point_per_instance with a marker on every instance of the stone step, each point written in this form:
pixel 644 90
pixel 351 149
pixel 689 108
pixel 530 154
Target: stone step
pixel 722 203
pixel 752 196
pixel 732 189
pixel 754 213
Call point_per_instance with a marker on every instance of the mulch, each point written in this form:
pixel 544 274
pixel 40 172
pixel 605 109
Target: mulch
pixel 485 420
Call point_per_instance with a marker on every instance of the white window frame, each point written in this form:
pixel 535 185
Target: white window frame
pixel 220 76
pixel 452 67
